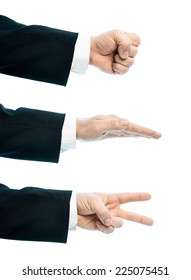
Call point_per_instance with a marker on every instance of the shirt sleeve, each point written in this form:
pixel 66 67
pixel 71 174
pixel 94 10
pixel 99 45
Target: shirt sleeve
pixel 68 133
pixel 81 54
pixel 79 65
pixel 73 212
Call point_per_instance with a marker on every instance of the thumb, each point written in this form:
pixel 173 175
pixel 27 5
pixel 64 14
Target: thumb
pixel 124 45
pixel 102 212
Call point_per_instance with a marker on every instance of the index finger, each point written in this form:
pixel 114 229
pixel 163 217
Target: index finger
pixel 131 197
pixel 143 131
pixel 135 39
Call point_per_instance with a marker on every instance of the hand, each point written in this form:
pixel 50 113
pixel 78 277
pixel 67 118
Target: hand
pixel 111 126
pixel 114 51
pixel 100 211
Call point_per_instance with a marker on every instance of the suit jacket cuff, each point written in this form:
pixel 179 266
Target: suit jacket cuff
pixel 34 214
pixel 30 134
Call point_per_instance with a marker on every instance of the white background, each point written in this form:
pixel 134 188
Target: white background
pixel 155 93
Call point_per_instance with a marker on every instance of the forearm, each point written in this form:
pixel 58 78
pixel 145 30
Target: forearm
pixel 30 134
pixel 34 214
pixel 36 52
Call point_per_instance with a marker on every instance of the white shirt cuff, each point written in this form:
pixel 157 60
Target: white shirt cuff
pixel 73 212
pixel 68 134
pixel 81 54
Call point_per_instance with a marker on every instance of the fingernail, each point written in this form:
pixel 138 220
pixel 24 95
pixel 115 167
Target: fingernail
pixel 108 222
pixel 99 225
pixel 129 47
pixel 125 54
pixel 157 135
pixel 150 222
pixel 117 72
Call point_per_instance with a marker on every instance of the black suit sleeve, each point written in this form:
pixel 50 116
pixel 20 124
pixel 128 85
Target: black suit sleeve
pixel 30 134
pixel 36 52
pixel 34 214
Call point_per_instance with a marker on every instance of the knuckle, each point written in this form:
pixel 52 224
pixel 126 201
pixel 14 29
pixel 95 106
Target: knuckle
pixel 130 61
pixel 135 51
pixel 136 39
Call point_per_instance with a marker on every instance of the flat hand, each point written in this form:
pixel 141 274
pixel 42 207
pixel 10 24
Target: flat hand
pixel 100 211
pixel 111 126
pixel 114 51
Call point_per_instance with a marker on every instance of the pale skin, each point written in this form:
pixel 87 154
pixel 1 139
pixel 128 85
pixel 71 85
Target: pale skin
pixel 110 126
pixel 101 211
pixel 114 51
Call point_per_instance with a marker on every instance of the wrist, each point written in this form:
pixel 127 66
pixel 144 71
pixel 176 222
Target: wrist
pixel 92 51
pixel 78 128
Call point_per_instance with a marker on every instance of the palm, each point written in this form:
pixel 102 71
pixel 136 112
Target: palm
pixel 88 222
pixel 105 63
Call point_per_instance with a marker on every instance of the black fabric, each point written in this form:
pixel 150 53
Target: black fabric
pixel 34 214
pixel 30 134
pixel 43 54
pixel 36 52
